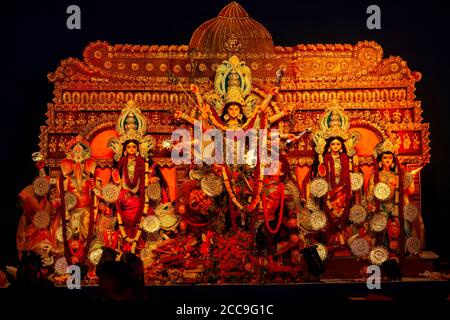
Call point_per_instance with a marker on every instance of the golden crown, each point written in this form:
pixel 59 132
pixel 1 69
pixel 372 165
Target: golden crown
pixel 132 125
pixel 384 146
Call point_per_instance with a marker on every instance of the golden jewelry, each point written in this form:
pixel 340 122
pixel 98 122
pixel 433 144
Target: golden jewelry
pixel 378 255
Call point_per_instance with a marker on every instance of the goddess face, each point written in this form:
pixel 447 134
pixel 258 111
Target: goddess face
pixel 131 148
pixel 336 145
pixel 387 159
pixel 234 111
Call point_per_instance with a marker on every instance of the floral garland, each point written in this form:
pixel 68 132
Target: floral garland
pixel 344 180
pixel 141 169
pixel 250 207
pixel 280 216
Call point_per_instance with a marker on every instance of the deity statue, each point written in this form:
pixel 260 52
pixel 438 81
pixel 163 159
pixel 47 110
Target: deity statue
pixel 39 222
pixel 232 105
pixel 131 173
pixel 329 195
pixel 78 171
pixel 254 195
pixel 389 205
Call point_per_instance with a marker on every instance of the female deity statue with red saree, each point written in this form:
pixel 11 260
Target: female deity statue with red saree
pixel 132 174
pixel 330 195
pixel 390 207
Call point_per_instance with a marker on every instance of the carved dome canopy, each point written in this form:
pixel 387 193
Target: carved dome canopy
pixel 232 32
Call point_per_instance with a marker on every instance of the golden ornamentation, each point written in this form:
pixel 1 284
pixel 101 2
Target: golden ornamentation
pixel 110 193
pixel 59 233
pixel 384 146
pixel 382 191
pixel 132 125
pixel 357 214
pixel 154 192
pixel 70 200
pixel 322 251
pixel 150 224
pixel 165 209
pixel 378 222
pixel 41 186
pixel 357 180
pixel 360 247
pixel 317 220
pixel 169 221
pixel 413 245
pixel 41 219
pixel 410 212
pixel 146 254
pixel 290 189
pixel 378 255
pixel 95 256
pixel 212 185
pixel 319 187
pixel 335 123
pixel 196 174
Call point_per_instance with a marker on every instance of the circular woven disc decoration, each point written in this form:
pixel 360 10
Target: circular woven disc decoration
pixel 408 180
pixel 319 187
pixel 382 191
pixel 212 185
pixel 317 220
pixel 360 247
pixel 378 222
pixel 410 212
pixel 146 253
pixel 357 180
pixel 95 256
pixel 41 219
pixel 154 192
pixel 110 193
pixel 70 200
pixel 357 214
pixel 41 186
pixel 413 245
pixel 322 251
pixel 150 224
pixel 378 255
pixel 61 266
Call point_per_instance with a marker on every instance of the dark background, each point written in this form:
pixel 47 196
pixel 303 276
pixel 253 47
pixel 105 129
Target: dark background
pixel 36 32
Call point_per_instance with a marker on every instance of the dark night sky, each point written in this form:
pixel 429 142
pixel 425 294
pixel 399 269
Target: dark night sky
pixel 413 30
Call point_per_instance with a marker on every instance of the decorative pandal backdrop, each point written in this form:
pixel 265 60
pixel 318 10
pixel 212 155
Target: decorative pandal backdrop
pixel 226 223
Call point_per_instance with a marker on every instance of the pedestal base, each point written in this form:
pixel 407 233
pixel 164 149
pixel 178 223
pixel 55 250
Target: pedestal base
pixel 350 267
